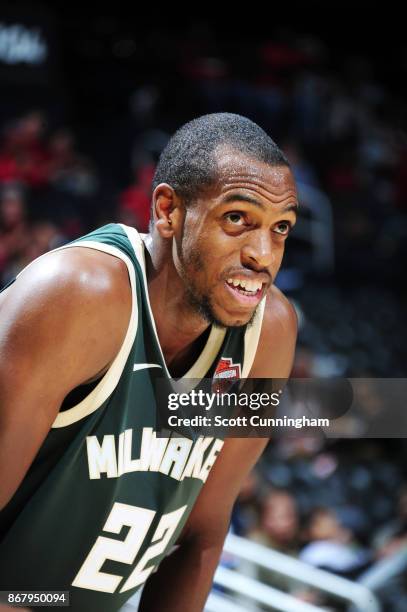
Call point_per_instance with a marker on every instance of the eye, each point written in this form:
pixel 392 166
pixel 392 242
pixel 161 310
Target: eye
pixel 282 228
pixel 235 218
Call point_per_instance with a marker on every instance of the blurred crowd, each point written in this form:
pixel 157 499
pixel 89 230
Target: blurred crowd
pixel 49 192
pixel 341 506
pixel 45 188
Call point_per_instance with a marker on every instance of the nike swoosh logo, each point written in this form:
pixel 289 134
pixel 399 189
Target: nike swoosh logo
pixel 143 366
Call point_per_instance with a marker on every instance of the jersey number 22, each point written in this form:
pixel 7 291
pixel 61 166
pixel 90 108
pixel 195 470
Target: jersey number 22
pixel 139 520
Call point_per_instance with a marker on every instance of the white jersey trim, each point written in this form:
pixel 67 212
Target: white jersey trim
pixel 216 335
pixel 109 381
pixel 251 339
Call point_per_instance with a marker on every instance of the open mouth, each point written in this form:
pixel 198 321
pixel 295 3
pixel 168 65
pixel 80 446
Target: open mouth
pixel 246 288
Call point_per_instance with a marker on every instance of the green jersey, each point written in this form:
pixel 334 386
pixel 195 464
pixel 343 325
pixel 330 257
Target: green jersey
pixel 106 498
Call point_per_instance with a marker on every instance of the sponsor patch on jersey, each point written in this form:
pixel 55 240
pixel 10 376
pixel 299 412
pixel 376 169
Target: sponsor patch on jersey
pixel 225 374
pixel 227 369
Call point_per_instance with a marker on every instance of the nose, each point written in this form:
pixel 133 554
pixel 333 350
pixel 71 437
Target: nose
pixel 257 252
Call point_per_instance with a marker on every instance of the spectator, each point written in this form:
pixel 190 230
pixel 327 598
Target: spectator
pixel 24 156
pixel 279 522
pixel 332 545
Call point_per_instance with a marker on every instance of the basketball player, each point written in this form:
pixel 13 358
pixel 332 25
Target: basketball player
pixel 93 501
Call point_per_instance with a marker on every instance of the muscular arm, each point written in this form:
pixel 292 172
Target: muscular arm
pixel 184 579
pixel 187 574
pixel 53 323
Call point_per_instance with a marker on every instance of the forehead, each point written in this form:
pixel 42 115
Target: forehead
pixel 239 170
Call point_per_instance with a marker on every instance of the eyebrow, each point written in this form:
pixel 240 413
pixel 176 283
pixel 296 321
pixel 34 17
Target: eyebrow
pixel 240 197
pixel 289 207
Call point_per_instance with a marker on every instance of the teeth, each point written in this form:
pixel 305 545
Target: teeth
pixel 248 285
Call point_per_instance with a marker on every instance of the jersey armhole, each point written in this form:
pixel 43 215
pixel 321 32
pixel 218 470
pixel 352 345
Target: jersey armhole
pixel 110 379
pixel 251 339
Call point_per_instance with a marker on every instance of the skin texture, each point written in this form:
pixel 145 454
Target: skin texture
pixel 229 238
pixel 52 337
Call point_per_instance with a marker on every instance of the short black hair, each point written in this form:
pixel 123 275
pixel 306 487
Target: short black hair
pixel 188 162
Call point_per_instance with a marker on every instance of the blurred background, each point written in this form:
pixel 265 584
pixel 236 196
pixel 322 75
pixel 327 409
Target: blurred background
pixel 88 101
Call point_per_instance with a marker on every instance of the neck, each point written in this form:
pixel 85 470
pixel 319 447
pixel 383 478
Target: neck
pixel 179 327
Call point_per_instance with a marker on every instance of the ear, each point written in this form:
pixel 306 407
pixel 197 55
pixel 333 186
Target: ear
pixel 167 210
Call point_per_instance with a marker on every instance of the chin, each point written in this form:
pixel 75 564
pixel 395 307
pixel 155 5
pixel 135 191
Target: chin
pixel 233 321
pixel 218 315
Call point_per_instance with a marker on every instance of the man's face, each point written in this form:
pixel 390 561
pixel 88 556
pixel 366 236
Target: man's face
pixel 233 238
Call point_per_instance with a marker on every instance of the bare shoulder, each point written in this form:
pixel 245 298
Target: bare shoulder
pixel 279 312
pixel 78 267
pixel 275 352
pixel 70 297
pixel 66 275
